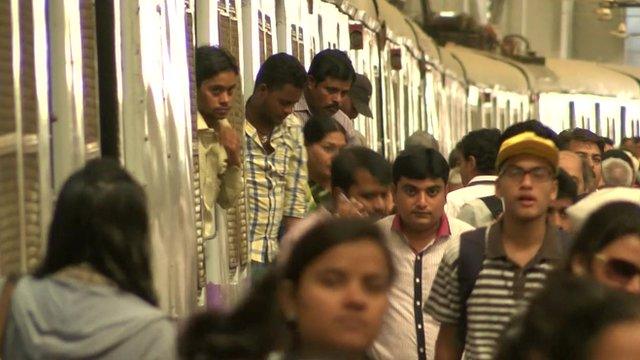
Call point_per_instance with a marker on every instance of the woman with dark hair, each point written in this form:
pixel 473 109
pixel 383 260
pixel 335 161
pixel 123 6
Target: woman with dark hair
pixel 92 296
pixel 607 247
pixel 575 318
pixel 323 138
pixel 325 300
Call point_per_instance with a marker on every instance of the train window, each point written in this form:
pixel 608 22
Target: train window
pixel 623 121
pixel 320 32
pixel 268 36
pixel 572 114
pixel 301 46
pixel 294 41
pixel 260 36
pixel 89 78
pixel 598 126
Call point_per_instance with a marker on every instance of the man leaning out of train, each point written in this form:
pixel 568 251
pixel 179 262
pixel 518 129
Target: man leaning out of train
pixel 92 296
pixel 331 75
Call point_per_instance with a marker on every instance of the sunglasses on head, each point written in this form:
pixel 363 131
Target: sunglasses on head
pixel 619 270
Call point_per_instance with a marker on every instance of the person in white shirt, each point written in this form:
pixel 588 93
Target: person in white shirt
pixel 478 152
pixel 418 236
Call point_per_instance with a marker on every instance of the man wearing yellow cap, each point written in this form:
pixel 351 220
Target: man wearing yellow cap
pixel 493 273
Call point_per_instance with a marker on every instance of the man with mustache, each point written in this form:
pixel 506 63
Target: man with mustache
pixel 417 235
pixel 330 77
pixel 491 274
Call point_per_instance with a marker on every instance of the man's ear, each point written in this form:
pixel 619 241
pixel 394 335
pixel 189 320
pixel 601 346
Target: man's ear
pixel 261 90
pixel 472 162
pixel 311 81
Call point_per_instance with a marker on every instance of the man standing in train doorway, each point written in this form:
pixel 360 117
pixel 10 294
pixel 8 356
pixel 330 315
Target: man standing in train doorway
pixel 275 157
pixel 330 77
pixel 218 144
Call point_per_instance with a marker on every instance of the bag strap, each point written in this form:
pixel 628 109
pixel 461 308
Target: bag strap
pixel 494 204
pixel 472 247
pixel 5 305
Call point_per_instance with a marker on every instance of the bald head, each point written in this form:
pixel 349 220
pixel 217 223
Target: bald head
pixel 572 164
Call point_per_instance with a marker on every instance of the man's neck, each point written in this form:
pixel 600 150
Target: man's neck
pixel 522 239
pixel 256 119
pixel 419 239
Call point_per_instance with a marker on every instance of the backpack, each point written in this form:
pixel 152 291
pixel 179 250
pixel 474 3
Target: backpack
pixel 470 259
pixel 494 204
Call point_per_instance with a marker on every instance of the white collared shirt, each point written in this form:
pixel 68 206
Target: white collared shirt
pixel 480 186
pixel 405 321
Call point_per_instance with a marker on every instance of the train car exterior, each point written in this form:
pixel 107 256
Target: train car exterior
pixel 53 117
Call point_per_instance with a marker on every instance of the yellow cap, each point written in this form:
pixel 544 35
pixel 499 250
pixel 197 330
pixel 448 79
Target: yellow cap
pixel 528 143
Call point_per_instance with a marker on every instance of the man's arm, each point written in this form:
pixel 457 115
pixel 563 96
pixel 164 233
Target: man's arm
pixel 448 346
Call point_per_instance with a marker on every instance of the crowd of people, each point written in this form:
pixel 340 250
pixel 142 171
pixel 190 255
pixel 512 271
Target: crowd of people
pixel 520 244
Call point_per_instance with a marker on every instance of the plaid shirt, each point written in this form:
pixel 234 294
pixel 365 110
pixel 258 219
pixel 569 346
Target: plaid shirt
pixel 275 184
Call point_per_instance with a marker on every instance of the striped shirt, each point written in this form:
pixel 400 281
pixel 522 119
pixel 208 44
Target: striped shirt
pixel 275 185
pixel 502 289
pixel 407 333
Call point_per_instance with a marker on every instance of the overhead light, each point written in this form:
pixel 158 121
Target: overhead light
pixel 621 31
pixel 604 14
pixel 447 13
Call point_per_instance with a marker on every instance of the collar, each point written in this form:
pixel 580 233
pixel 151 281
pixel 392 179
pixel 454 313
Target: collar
pixel 444 229
pixel 550 250
pixel 483 179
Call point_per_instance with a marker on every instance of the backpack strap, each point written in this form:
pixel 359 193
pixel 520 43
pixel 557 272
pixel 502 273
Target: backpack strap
pixel 494 204
pixel 472 248
pixel 5 305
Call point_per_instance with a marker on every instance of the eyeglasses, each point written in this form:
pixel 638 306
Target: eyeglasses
pixel 538 174
pixel 618 270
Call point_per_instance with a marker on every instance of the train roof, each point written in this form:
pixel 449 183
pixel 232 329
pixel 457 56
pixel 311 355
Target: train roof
pixel 632 71
pixel 451 65
pixel 485 71
pixel 361 10
pixel 424 42
pixel 576 76
pixel 394 20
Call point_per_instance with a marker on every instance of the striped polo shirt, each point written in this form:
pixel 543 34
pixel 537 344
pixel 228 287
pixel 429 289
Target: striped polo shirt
pixel 502 289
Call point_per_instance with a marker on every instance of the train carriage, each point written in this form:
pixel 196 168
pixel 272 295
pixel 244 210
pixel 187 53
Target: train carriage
pixel 630 123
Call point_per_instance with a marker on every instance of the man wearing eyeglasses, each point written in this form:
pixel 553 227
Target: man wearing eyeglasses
pixel 494 271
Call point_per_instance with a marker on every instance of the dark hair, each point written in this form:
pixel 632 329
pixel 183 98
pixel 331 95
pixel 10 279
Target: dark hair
pixel 352 158
pixel 251 331
pixel 579 134
pixel 257 326
pixel 212 60
pixel 618 154
pixel 419 162
pixel 318 126
pixel 567 188
pixel 603 227
pixel 101 219
pixel 327 235
pixel 279 70
pixel 564 320
pixel 607 140
pixel 483 145
pixel 532 125
pixel 332 63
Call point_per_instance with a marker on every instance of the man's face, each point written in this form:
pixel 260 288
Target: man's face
pixel 277 104
pixel 629 145
pixel 347 107
pixel 215 95
pixel 572 164
pixel 557 214
pixel 325 97
pixel 527 185
pixel 591 152
pixel 420 203
pixel 467 169
pixel 370 193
